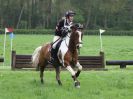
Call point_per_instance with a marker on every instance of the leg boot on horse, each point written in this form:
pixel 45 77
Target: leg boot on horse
pixel 76 82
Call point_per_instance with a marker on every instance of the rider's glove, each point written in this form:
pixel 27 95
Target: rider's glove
pixel 65 31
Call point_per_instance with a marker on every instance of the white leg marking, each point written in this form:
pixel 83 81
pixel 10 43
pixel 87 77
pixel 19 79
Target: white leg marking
pixel 79 66
pixel 69 68
pixel 55 43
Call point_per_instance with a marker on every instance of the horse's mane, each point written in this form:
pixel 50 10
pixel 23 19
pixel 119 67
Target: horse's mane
pixel 72 42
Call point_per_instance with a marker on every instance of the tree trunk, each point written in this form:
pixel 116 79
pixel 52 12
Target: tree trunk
pixel 29 13
pixel 95 21
pixel 88 18
pixel 1 14
pixel 105 21
pixel 19 19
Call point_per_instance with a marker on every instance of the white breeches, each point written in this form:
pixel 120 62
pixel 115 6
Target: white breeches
pixel 55 40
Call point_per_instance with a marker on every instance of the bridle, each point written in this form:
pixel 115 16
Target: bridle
pixel 77 45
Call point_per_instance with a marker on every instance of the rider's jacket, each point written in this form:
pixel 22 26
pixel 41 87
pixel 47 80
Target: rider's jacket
pixel 61 24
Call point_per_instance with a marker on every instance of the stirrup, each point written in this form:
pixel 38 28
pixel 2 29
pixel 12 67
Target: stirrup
pixel 51 61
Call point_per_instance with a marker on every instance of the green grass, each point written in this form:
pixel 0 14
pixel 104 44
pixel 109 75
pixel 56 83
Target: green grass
pixel 115 47
pixel 112 84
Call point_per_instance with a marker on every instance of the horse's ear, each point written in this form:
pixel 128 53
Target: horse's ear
pixel 77 26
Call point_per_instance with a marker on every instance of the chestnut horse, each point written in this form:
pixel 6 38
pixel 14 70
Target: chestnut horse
pixel 67 54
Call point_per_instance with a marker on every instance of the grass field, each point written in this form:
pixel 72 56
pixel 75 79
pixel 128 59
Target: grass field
pixel 115 47
pixel 112 84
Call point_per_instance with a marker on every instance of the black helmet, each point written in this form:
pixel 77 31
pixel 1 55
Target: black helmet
pixel 79 26
pixel 69 13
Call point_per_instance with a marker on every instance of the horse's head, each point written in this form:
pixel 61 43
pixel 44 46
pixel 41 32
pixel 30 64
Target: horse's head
pixel 77 34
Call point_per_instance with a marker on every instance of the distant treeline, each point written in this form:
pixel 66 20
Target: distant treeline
pixel 86 32
pixel 44 14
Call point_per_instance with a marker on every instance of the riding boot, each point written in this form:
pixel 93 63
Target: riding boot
pixel 52 59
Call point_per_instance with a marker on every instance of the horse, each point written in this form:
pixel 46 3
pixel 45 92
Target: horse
pixel 67 54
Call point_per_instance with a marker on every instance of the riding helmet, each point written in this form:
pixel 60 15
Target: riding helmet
pixel 69 13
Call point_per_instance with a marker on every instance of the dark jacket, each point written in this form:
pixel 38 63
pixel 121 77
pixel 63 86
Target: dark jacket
pixel 60 25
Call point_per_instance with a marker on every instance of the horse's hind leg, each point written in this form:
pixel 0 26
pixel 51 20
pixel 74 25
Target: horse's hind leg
pixel 58 75
pixel 41 73
pixel 42 67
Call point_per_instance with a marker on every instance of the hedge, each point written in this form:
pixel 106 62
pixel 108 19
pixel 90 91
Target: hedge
pixel 86 32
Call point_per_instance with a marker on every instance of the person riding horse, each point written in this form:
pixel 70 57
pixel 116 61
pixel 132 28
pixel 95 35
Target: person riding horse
pixel 74 26
pixel 67 55
pixel 62 28
pixel 63 25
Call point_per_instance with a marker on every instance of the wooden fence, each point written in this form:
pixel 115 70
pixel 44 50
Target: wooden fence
pixel 88 62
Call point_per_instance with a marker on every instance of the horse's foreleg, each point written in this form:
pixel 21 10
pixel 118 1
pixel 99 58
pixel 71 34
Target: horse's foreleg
pixel 37 68
pixel 79 69
pixel 41 74
pixel 58 75
pixel 76 82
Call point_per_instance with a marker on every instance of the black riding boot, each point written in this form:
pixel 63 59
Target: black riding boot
pixel 53 56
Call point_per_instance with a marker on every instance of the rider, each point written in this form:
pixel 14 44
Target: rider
pixel 62 28
pixel 63 24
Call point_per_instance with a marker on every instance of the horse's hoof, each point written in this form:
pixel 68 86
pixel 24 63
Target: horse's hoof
pixel 77 84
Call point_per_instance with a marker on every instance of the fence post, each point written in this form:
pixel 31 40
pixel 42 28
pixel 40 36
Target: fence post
pixel 102 59
pixel 13 62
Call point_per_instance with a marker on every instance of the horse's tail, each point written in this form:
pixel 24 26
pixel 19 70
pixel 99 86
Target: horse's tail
pixel 35 56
